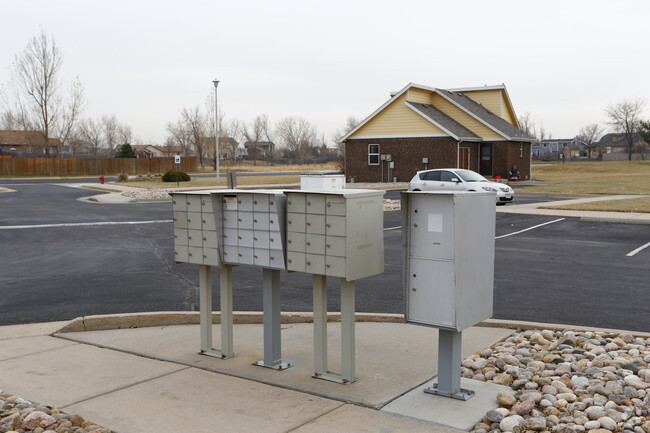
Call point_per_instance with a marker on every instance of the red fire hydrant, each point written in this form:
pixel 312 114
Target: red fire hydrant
pixel 101 179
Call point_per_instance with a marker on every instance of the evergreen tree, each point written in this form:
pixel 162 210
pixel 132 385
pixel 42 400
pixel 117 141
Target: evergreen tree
pixel 125 151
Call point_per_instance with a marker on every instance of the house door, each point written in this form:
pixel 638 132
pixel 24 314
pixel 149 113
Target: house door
pixel 485 167
pixel 463 157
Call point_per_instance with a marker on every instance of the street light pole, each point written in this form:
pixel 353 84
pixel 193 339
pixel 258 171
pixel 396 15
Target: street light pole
pixel 216 128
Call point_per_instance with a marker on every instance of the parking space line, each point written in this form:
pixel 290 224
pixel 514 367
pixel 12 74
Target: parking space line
pixel 100 223
pixel 392 228
pixel 529 228
pixel 641 248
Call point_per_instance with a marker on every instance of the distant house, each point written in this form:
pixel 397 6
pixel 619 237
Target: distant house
pixel 147 151
pixel 228 147
pixel 259 149
pixel 423 127
pixel 616 142
pixel 172 150
pixel 551 149
pixel 22 142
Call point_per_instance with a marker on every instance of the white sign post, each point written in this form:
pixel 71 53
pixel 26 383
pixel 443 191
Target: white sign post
pixel 177 161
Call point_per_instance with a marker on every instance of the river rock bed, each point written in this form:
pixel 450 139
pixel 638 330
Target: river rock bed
pixel 18 415
pixel 566 382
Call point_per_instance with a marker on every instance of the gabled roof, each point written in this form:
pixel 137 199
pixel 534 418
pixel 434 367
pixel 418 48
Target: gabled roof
pixel 465 103
pixel 617 139
pixel 442 121
pixel 23 138
pixel 485 116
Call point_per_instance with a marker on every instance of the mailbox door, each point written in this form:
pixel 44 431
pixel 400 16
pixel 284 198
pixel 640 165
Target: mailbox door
pixel 315 204
pixel 296 242
pixel 432 227
pixel 431 293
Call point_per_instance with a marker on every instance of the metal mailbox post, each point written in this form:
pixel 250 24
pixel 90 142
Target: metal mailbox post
pixel 250 230
pixel 448 280
pixel 337 233
pixel 195 241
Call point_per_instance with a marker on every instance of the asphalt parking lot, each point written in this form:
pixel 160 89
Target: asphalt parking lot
pixel 63 258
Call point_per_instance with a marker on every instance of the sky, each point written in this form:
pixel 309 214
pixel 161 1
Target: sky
pixel 143 60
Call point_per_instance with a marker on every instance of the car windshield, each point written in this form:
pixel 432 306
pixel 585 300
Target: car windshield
pixel 470 176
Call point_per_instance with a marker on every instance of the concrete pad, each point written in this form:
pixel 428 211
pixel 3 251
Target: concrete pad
pixel 30 329
pixel 392 358
pixel 76 372
pixel 459 414
pixel 199 401
pixel 18 347
pixel 357 419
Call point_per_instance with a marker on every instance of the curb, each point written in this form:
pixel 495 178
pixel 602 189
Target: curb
pixel 175 318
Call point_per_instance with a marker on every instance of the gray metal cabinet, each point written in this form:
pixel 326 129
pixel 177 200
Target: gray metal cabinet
pixel 335 233
pixel 448 240
pixel 250 227
pixel 195 234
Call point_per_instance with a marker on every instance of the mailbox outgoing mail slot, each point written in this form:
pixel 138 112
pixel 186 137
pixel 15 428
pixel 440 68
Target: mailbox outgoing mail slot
pixel 448 240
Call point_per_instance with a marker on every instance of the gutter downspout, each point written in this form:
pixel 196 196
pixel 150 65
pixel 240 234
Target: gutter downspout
pixel 460 140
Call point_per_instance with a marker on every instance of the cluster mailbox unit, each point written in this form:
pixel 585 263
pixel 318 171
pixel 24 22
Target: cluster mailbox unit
pixel 337 233
pixel 448 265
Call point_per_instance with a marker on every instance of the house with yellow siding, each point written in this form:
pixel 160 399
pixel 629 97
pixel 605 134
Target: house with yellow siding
pixel 423 127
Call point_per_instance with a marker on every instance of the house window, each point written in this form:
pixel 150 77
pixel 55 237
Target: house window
pixel 373 154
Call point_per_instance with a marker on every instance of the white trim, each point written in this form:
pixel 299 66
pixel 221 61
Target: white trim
pixel 503 134
pixel 474 89
pixel 378 154
pixel 374 137
pixel 374 113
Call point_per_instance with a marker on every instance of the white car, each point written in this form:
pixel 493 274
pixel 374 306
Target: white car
pixel 455 179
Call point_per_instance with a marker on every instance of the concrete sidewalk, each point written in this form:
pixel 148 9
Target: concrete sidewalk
pixel 613 217
pixel 152 379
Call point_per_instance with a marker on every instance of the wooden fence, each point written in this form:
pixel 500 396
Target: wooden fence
pixel 94 167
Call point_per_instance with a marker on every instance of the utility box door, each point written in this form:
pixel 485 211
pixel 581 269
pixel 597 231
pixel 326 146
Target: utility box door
pixel 448 240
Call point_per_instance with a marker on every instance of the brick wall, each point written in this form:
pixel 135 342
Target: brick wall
pixel 407 154
pixel 506 154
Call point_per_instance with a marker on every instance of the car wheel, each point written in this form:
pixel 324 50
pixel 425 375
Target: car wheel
pixel 501 204
pixel 416 190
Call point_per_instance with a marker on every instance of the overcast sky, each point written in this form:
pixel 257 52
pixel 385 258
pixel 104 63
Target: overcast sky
pixel 144 60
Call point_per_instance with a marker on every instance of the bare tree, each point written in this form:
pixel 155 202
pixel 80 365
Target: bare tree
pixel 110 128
pixel 624 116
pixel 589 135
pixel 527 124
pixel 124 134
pixel 298 136
pixel 258 130
pixel 229 128
pixel 195 124
pixel 178 136
pixel 190 132
pixel 350 123
pixel 40 104
pixel 90 131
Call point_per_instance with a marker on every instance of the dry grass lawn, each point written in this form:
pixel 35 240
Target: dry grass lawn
pixel 211 181
pixel 261 166
pixel 625 205
pixel 612 177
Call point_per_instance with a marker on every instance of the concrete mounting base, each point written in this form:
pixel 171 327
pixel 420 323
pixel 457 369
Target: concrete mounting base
pixel 459 414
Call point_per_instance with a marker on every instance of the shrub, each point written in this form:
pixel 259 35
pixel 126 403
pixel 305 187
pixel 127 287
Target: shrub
pixel 122 177
pixel 170 176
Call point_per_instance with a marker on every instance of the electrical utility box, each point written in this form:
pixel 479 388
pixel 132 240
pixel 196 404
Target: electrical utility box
pixel 250 227
pixel 195 233
pixel 335 233
pixel 448 240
